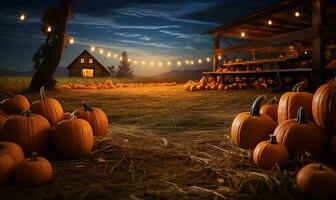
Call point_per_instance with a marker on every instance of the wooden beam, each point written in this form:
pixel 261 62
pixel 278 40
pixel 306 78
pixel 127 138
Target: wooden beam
pixel 215 54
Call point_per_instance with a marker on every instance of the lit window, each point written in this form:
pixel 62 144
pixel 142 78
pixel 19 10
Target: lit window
pixel 82 60
pixel 90 60
pixel 87 73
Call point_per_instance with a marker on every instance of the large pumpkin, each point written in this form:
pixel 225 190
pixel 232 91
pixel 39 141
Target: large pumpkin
pixel 301 135
pixel 324 106
pixel 96 118
pixel 73 138
pixel 7 166
pixel 15 104
pixel 291 101
pixel 268 154
pixel 33 172
pixel 271 109
pixel 317 180
pixel 49 108
pixel 31 132
pixel 333 148
pixel 250 128
pixel 13 150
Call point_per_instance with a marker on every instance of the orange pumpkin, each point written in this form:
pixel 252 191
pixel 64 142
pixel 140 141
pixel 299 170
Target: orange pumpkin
pixel 7 166
pixel 333 148
pixel 268 154
pixel 301 135
pixel 33 172
pixel 31 132
pixel 96 118
pixel 73 138
pixel 271 109
pixel 290 102
pixel 3 117
pixel 250 128
pixel 317 180
pixel 324 106
pixel 13 150
pixel 15 104
pixel 49 108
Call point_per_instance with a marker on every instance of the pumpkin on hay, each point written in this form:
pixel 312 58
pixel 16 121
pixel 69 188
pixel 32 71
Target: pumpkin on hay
pixel 301 135
pixel 268 154
pixel 15 104
pixel 73 137
pixel 30 131
pixel 333 148
pixel 49 108
pixel 316 180
pixel 7 165
pixel 271 109
pixel 96 118
pixel 250 128
pixel 324 106
pixel 33 172
pixel 13 150
pixel 290 102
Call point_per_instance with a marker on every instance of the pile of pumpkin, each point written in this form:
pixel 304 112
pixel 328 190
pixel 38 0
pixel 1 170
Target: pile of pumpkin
pixel 240 83
pixel 298 124
pixel 108 84
pixel 30 130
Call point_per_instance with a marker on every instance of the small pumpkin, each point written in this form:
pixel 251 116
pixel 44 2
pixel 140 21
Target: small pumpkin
pixel 250 128
pixel 301 135
pixel 13 150
pixel 31 132
pixel 203 82
pixel 15 104
pixel 271 109
pixel 96 118
pixel 268 154
pixel 324 106
pixel 333 148
pixel 73 137
pixel 7 166
pixel 33 172
pixel 49 108
pixel 316 180
pixel 290 102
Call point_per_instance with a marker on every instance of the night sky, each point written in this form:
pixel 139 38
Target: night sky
pixel 165 30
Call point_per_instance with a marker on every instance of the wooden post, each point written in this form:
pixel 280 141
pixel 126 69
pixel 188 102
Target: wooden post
pixel 319 43
pixel 215 55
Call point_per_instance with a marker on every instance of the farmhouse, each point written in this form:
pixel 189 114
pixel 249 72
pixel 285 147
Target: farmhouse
pixel 87 66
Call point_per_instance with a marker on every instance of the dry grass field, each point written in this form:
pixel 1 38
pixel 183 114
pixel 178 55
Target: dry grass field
pixel 163 143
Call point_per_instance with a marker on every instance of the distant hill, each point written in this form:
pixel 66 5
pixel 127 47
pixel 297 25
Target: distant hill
pixel 60 72
pixel 181 75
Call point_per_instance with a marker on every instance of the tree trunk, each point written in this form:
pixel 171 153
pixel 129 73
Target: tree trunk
pixel 53 51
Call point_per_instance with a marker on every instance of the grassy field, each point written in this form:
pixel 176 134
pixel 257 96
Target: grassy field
pixel 164 143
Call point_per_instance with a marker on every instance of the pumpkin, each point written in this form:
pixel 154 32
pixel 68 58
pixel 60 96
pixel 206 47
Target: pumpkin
pixel 31 132
pixel 271 109
pixel 250 128
pixel 49 108
pixel 3 117
pixel 268 154
pixel 13 150
pixel 33 172
pixel 193 88
pixel 290 102
pixel 73 138
pixel 333 148
pixel 200 87
pixel 203 82
pixel 220 87
pixel 96 118
pixel 316 180
pixel 324 106
pixel 301 135
pixel 7 165
pixel 15 104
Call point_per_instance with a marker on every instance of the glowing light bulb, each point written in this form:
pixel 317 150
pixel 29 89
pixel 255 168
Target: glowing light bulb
pixel 72 40
pixel 297 14
pixel 152 63
pixel 108 54
pixel 269 22
pixel 242 34
pixel 49 29
pixel 129 60
pixel 22 17
pixel 160 64
pixel 179 63
pixel 187 62
pixel 192 62
pixel 101 51
pixel 199 61
pixel 208 59
pixel 168 63
pixel 120 58
pixel 115 55
pixel 219 57
pixel 306 52
pixel 93 49
pixel 143 62
pixel 135 62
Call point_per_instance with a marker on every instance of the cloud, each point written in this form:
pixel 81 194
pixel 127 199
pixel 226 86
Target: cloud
pixel 128 35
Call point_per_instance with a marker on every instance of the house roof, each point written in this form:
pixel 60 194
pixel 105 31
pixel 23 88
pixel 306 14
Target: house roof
pixel 87 52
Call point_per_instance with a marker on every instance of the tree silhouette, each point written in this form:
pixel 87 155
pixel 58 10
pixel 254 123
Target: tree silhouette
pixel 124 69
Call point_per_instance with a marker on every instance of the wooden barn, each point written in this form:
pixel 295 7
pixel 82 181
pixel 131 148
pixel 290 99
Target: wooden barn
pixel 87 66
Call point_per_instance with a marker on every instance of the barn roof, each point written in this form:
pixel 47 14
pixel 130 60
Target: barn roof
pixel 87 52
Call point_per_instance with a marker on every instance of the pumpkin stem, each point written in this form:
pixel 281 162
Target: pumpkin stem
pixel 272 139
pixel 301 118
pixel 26 113
pixel 42 93
pixel 319 167
pixel 73 116
pixel 255 109
pixel 86 106
pixel 299 87
pixel 272 101
pixel 34 156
